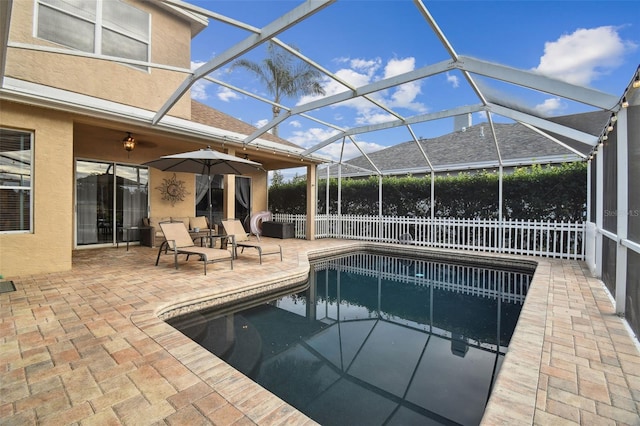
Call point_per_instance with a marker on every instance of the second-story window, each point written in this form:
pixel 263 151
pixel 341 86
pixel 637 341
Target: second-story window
pixel 108 27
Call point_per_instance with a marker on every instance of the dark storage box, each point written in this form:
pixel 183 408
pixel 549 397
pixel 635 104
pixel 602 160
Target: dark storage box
pixel 278 230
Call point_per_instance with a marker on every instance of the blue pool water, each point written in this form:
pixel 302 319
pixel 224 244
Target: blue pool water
pixel 376 340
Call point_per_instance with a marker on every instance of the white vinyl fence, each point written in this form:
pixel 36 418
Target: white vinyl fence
pixel 536 238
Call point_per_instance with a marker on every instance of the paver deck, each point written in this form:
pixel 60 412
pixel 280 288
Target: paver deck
pixel 89 346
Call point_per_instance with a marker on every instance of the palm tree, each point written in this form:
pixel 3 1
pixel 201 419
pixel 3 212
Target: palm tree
pixel 283 76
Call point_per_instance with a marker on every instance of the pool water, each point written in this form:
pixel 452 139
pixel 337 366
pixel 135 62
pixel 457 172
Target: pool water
pixel 376 340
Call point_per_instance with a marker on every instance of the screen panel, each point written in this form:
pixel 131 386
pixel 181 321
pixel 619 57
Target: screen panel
pixel 610 185
pixel 633 120
pixel 609 248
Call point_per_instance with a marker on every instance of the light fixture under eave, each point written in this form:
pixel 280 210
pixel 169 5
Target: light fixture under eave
pixel 625 103
pixel 636 82
pixel 614 117
pixel 129 143
pixel 610 127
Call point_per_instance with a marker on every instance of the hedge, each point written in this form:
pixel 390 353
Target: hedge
pixel 537 192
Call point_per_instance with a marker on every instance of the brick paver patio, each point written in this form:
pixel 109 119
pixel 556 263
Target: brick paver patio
pixel 88 346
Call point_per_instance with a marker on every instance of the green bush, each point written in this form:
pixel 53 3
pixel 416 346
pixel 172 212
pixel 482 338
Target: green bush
pixel 536 193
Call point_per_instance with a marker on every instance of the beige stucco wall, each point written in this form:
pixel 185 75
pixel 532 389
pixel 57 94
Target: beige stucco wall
pixel 48 248
pixel 163 208
pixel 170 45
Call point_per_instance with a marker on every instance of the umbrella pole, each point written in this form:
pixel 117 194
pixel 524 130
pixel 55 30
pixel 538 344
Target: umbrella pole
pixel 209 202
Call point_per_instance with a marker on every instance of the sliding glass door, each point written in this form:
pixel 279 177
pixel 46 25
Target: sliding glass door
pixel 243 197
pixel 109 196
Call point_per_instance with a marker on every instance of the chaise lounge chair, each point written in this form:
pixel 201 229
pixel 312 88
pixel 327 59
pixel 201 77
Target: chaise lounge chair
pixel 179 241
pixel 233 227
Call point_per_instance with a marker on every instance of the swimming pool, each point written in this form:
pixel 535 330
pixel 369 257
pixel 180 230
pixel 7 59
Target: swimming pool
pixel 376 339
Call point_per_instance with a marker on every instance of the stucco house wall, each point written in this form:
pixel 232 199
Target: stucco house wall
pixel 170 45
pixel 48 248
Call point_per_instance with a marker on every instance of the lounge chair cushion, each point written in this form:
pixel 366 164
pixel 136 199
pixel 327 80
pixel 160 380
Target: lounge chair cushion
pixel 184 220
pixel 198 222
pixel 235 228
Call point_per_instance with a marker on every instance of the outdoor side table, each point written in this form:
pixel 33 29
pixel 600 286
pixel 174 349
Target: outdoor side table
pixel 205 233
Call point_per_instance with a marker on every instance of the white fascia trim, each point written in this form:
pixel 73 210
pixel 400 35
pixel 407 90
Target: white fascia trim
pixel 461 167
pixel 22 91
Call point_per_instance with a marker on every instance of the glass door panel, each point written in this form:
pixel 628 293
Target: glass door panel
pixel 217 193
pixel 94 197
pixel 132 191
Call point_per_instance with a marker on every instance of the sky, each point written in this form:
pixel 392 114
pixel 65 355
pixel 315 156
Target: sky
pixel 588 43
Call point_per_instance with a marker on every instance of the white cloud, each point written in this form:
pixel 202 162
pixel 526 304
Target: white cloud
pixel 350 151
pixel 199 88
pixel 351 76
pixel 550 106
pixel 368 117
pixel 261 123
pixel 310 137
pixel 453 79
pixel 584 55
pixel 313 136
pixel 365 71
pixel 403 96
pixel 295 123
pixel 332 87
pixel 225 94
pixel 368 66
pixel 399 66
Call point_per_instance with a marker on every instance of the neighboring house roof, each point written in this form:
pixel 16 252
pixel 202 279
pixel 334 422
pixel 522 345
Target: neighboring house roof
pixel 475 148
pixel 204 114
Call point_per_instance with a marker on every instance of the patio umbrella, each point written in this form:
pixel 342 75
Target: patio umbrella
pixel 206 162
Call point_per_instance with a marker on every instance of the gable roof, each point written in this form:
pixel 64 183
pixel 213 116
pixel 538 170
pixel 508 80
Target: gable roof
pixel 204 114
pixel 474 148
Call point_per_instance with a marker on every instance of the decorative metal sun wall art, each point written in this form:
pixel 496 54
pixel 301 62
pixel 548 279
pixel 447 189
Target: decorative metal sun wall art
pixel 173 190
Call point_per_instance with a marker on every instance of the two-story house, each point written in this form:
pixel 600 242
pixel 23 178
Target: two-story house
pixel 79 78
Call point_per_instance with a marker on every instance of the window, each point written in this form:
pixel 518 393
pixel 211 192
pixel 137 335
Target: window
pixel 108 27
pixel 15 180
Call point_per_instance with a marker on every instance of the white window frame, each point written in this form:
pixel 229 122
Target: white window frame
pixel 23 187
pixel 99 26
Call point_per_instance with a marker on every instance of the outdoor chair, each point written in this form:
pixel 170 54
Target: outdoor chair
pixel 240 238
pixel 178 240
